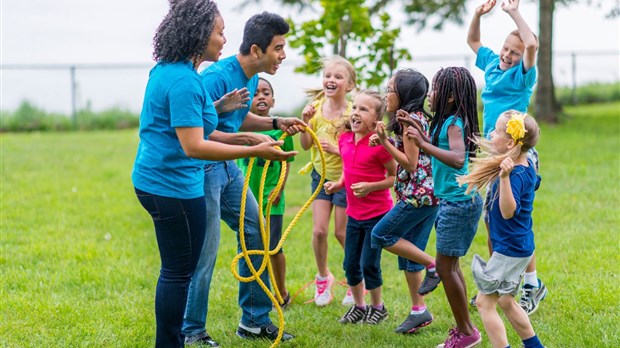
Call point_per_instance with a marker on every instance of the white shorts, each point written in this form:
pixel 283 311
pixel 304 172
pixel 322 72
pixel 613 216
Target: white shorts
pixel 501 275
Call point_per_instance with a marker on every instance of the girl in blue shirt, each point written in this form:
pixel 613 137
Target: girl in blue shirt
pixel 455 122
pixel 513 180
pixel 167 173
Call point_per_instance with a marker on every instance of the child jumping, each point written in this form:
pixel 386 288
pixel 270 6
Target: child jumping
pixel 513 180
pixel 454 125
pixel 262 103
pixel 324 112
pixel 405 229
pixel 509 82
pixel 367 175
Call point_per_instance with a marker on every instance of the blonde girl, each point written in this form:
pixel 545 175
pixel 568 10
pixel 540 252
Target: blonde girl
pixel 512 178
pixel 324 112
pixel 367 174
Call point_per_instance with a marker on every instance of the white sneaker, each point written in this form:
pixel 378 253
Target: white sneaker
pixel 323 293
pixel 348 299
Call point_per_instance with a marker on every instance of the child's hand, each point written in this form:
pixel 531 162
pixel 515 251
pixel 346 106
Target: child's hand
pixel 486 7
pixel 277 195
pixel 308 113
pixel 415 135
pixel 506 167
pixel 361 189
pixel 380 129
pixel 332 187
pixel 329 147
pixel 374 140
pixel 510 5
pixel 404 119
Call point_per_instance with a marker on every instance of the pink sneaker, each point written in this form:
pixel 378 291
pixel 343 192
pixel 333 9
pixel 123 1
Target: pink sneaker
pixel 457 339
pixel 323 293
pixel 348 298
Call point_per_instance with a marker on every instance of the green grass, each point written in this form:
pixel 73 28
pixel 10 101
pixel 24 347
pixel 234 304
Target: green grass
pixel 79 260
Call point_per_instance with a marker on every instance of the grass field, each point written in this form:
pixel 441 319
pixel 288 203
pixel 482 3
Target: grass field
pixel 79 260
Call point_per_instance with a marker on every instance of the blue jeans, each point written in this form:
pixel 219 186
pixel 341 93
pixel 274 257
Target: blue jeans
pixel 409 223
pixel 361 261
pixel 223 188
pixel 180 231
pixel 456 225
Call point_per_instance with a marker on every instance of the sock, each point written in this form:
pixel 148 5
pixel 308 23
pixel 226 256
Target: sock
pixel 431 268
pixel 379 307
pixel 255 330
pixel 318 277
pixel 530 279
pixel 532 342
pixel 361 307
pixel 417 309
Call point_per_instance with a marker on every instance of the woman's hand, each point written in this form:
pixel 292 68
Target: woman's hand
pixel 267 151
pixel 291 125
pixel 231 101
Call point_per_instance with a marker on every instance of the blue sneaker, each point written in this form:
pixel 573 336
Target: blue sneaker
pixel 531 297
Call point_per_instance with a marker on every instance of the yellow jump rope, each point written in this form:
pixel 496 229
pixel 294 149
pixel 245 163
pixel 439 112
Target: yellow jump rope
pixel 265 231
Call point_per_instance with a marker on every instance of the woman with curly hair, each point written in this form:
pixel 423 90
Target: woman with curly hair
pixel 177 117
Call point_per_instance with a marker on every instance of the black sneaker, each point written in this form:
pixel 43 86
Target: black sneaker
pixel 430 283
pixel 375 316
pixel 414 322
pixel 269 332
pixel 202 339
pixel 354 315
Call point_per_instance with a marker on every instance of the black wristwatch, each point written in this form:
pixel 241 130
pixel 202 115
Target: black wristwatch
pixel 274 121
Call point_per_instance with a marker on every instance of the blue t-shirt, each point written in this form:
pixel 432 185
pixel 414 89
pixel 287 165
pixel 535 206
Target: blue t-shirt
pixel 444 176
pixel 514 237
pixel 503 90
pixel 174 97
pixel 222 77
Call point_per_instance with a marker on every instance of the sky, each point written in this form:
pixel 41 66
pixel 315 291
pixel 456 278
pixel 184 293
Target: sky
pixel 46 34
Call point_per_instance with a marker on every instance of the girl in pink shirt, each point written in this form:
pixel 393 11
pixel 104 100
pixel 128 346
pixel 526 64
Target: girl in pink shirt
pixel 368 172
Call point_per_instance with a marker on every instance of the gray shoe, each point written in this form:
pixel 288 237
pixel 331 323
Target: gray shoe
pixel 531 297
pixel 430 283
pixel 415 322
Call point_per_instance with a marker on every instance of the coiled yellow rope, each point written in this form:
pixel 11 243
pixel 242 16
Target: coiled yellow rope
pixel 265 231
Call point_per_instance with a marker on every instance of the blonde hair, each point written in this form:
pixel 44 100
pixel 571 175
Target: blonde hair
pixel 318 93
pixel 380 106
pixel 516 33
pixel 485 168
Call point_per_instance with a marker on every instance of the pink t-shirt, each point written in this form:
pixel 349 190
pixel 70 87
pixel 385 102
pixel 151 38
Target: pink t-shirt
pixel 363 163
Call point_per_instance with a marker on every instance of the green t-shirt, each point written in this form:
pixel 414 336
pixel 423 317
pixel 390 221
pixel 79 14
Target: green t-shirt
pixel 273 173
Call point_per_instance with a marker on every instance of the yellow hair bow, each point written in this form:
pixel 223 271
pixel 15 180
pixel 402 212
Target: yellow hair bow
pixel 515 127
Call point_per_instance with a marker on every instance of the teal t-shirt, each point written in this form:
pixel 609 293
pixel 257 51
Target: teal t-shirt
pixel 503 90
pixel 444 176
pixel 222 77
pixel 273 173
pixel 174 98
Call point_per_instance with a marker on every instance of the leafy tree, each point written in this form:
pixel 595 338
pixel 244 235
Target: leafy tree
pixel 363 32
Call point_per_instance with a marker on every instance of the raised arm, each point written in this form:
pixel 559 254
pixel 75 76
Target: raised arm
pixel 527 36
pixel 473 36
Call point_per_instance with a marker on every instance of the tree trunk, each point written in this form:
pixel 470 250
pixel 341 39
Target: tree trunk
pixel 546 108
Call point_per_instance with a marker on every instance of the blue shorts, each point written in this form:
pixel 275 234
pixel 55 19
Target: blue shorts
pixel 409 223
pixel 456 225
pixel 338 199
pixel 275 231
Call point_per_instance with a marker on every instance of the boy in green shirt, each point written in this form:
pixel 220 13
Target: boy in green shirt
pixel 261 104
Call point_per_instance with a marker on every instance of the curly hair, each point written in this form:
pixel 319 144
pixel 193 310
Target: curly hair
pixel 411 88
pixel 260 29
pixel 184 33
pixel 485 169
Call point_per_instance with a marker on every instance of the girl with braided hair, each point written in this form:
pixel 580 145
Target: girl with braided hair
pixel 513 180
pixel 455 123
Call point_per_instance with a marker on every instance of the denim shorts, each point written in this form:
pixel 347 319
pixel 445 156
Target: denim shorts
pixel 456 225
pixel 338 199
pixel 275 231
pixel 409 223
pixel 501 275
